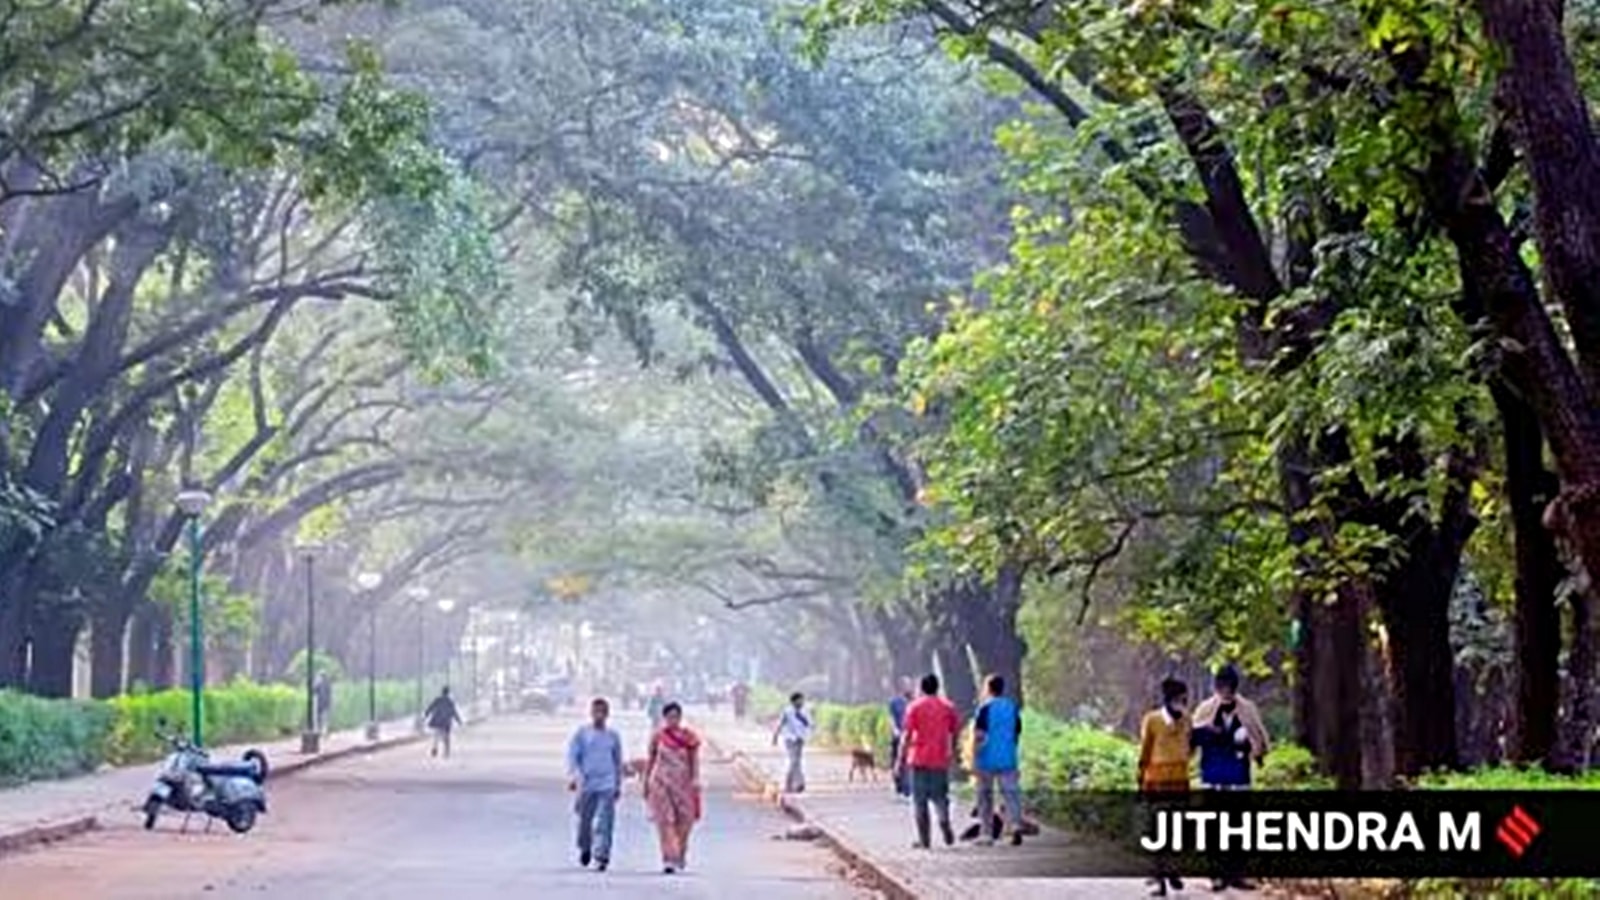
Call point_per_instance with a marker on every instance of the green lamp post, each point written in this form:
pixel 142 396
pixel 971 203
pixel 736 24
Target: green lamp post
pixel 192 502
pixel 311 737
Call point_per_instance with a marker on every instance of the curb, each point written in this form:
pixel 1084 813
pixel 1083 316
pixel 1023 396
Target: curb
pixel 47 834
pixel 753 774
pixel 77 826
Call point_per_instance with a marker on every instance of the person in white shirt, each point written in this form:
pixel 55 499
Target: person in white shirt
pixel 794 729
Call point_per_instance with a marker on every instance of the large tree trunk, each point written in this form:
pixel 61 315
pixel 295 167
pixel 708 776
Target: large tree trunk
pixel 108 633
pixel 987 615
pixel 1579 719
pixel 956 664
pixel 901 640
pixel 1415 599
pixel 1530 488
pixel 142 646
pixel 54 644
pixel 1555 131
pixel 163 673
pixel 13 639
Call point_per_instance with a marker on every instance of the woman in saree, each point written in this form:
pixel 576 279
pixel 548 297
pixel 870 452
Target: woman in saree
pixel 672 786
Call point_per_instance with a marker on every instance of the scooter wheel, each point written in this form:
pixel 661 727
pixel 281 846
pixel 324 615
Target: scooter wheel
pixel 152 809
pixel 242 818
pixel 260 759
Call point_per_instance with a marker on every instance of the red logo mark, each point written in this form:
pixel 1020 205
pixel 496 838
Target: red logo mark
pixel 1517 830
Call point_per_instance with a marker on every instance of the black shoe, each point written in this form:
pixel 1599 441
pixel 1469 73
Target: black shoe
pixel 667 870
pixel 1177 883
pixel 1016 839
pixel 600 865
pixel 583 859
pixel 1158 887
pixel 948 832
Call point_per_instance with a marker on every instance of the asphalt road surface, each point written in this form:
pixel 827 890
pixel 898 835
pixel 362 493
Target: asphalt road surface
pixel 493 822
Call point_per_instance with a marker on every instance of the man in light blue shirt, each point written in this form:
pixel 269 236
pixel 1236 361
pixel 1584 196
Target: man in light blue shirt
pixel 997 732
pixel 594 764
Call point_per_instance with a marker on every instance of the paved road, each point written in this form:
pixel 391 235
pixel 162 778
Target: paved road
pixel 494 822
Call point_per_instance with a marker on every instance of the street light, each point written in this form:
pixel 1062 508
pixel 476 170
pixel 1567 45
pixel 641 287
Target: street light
pixel 446 606
pixel 310 738
pixel 192 502
pixel 368 582
pixel 419 594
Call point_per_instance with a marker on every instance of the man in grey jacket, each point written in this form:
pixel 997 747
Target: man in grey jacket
pixel 594 764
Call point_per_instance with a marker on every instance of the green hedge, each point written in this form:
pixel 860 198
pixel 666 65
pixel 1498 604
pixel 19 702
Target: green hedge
pixel 50 738
pixel 42 739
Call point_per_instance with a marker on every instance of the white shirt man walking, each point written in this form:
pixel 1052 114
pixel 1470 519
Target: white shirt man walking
pixel 794 729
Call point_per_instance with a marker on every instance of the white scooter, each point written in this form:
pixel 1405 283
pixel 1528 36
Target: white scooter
pixel 188 782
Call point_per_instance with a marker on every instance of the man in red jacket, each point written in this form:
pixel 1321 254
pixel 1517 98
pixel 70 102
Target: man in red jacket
pixel 932 729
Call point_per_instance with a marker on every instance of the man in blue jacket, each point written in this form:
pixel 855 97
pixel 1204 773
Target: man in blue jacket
pixel 997 732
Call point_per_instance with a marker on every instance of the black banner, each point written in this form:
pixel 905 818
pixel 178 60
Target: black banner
pixel 1327 834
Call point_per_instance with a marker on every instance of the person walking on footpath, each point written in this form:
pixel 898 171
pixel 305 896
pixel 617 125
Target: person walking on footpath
pixel 1165 746
pixel 655 705
pixel 794 729
pixel 997 734
pixel 672 787
pixel 594 765
pixel 897 723
pixel 1231 737
pixel 442 717
pixel 932 729
pixel 741 699
pixel 323 694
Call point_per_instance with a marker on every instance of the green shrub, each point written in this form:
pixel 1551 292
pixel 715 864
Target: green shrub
pixel 50 738
pixel 242 711
pixel 1509 778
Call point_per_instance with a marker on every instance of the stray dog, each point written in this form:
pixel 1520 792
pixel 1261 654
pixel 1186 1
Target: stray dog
pixel 634 768
pixel 862 760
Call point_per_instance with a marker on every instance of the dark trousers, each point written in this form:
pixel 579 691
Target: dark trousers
pixel 930 787
pixel 902 775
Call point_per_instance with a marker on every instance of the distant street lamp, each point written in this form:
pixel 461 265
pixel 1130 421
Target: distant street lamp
pixel 419 594
pixel 310 738
pixel 447 606
pixel 368 582
pixel 192 502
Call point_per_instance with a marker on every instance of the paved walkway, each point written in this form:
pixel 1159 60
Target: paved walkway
pixel 68 803
pixel 871 825
pixel 493 822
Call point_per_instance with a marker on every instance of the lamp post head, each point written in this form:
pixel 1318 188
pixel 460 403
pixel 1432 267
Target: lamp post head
pixel 192 501
pixel 417 592
pixel 446 606
pixel 368 580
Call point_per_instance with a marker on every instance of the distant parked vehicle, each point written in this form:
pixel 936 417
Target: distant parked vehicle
pixel 560 690
pixel 188 782
pixel 536 700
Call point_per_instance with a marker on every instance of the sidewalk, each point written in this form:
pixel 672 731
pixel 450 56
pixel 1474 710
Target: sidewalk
pixel 45 811
pixel 873 829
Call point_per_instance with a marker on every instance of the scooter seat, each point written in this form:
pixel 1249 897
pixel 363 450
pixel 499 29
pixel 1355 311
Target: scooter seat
pixel 228 770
